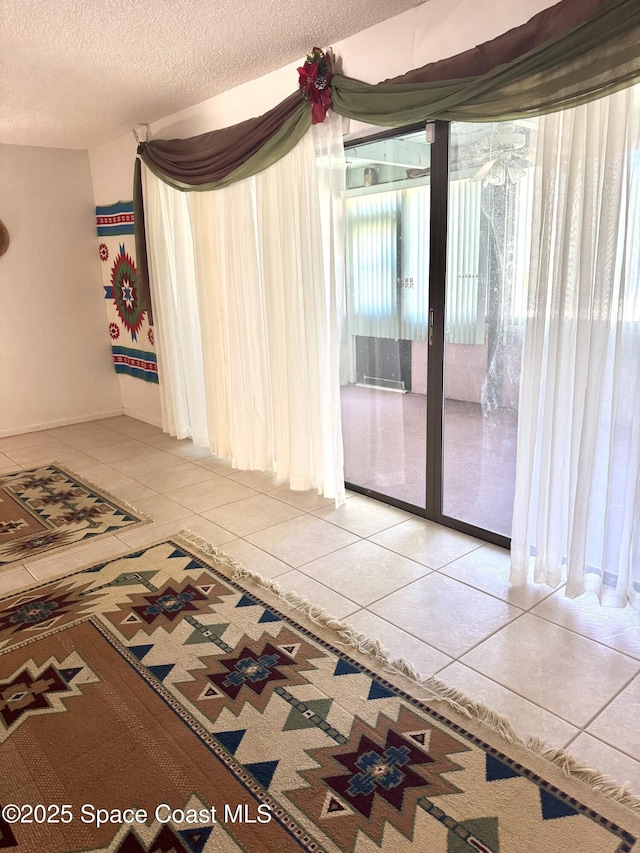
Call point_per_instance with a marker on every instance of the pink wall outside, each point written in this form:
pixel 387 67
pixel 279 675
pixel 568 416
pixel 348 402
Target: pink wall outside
pixel 466 368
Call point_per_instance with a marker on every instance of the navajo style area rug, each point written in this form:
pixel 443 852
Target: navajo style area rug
pixel 167 701
pixel 47 507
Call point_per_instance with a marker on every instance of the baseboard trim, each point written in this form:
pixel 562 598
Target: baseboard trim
pixel 130 413
pixel 77 419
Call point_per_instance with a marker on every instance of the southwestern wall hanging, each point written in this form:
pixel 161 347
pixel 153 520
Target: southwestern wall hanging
pixel 130 329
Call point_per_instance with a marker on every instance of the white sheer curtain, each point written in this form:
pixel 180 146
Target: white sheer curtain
pixel 248 284
pixel 577 503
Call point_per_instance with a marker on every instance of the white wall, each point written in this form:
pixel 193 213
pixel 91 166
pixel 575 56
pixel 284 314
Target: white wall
pixel 55 358
pixel 426 33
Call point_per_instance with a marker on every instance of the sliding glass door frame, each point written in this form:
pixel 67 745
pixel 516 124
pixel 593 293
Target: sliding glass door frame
pixel 436 345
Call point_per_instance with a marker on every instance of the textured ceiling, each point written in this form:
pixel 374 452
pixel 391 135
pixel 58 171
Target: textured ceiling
pixel 78 73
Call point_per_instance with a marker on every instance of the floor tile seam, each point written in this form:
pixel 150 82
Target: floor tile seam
pixel 200 511
pixel 394 591
pixel 151 467
pixel 9 570
pixel 78 548
pixel 492 634
pixel 119 432
pixel 557 625
pixel 121 475
pixel 555 714
pixel 485 592
pixel 456 580
pixel 288 568
pixel 322 556
pixel 56 440
pixel 297 569
pixel 368 535
pixel 70 549
pixel 154 497
pixel 242 535
pixel 414 637
pixel 628 655
pixel 452 659
pixel 609 702
pixel 389 548
pixel 36 461
pixel 145 435
pixel 466 553
pixel 90 450
pixel 600 739
pixel 186 457
pixel 295 491
pixel 142 483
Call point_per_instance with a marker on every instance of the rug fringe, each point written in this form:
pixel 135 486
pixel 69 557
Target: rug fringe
pixel 432 687
pixel 142 516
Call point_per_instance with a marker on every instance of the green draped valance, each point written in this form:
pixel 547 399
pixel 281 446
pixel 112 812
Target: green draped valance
pixel 569 53
pixel 597 57
pixel 572 52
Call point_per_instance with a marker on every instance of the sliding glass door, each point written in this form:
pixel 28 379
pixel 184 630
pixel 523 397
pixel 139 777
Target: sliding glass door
pixel 437 261
pixel 385 339
pixel 488 248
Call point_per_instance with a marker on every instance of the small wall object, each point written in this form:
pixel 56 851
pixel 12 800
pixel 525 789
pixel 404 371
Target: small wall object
pixel 4 238
pixel 370 176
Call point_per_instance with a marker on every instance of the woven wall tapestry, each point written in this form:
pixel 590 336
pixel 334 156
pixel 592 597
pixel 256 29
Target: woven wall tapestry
pixel 131 334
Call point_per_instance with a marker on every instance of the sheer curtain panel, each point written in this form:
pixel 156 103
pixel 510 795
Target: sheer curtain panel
pixel 248 283
pixel 577 503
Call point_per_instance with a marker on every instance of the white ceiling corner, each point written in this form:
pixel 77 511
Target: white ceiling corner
pixel 78 73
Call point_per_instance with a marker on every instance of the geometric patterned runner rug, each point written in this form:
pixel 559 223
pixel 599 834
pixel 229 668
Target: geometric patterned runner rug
pixel 167 701
pixel 47 507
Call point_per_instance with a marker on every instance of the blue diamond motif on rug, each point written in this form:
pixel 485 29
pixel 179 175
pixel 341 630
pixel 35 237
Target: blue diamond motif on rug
pixel 268 616
pixel 70 674
pixel 553 807
pixel 161 671
pixel 343 667
pixel 496 770
pixel 263 771
pixel 245 601
pixel 178 553
pixel 379 691
pixel 231 740
pixel 94 569
pixel 193 564
pixel 195 839
pixel 140 651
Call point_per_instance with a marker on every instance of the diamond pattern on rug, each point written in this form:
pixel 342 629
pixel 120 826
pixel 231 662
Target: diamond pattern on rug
pixel 381 774
pixel 41 690
pixel 165 671
pixel 47 507
pixel 251 676
pixel 53 605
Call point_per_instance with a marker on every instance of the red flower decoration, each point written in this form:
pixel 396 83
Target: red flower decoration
pixel 114 331
pixel 104 252
pixel 314 78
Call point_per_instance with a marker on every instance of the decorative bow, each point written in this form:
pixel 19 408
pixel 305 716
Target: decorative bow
pixel 314 78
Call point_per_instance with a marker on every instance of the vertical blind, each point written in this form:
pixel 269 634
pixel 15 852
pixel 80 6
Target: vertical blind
pixel 388 264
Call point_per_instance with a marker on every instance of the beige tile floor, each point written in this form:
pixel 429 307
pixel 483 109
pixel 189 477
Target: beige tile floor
pixel 566 671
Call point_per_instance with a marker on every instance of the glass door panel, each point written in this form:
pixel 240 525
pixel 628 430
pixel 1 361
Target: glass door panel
pixel 489 219
pixel 384 345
